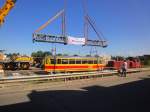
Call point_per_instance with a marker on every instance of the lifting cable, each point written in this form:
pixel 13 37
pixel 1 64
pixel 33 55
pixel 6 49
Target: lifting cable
pixel 89 21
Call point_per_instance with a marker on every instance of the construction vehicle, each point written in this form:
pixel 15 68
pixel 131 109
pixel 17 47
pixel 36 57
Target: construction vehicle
pixel 15 62
pixel 9 4
pixel 1 58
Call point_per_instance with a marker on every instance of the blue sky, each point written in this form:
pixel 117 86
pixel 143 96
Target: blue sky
pixel 125 24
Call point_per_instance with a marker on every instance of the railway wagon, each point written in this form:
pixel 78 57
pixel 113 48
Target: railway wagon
pixel 113 64
pixel 72 64
pixel 135 64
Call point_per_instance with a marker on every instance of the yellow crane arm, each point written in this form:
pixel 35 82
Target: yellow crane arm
pixel 9 4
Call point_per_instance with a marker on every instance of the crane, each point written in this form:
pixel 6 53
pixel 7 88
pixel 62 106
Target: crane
pixel 64 39
pixel 6 8
pixel 9 4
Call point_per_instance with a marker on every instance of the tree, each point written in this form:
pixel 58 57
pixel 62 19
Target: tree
pixel 88 55
pixel 65 54
pixel 59 54
pixel 75 55
pixel 118 58
pixel 33 54
pixel 96 55
pixel 12 54
pixel 41 54
pixel 47 53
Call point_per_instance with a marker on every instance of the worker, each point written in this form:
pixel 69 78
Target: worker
pixel 124 69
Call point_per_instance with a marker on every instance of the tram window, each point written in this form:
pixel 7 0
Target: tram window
pixel 58 61
pixel 64 61
pixel 78 61
pixel 52 61
pixel 84 62
pixel 71 61
pixel 95 61
pixel 90 61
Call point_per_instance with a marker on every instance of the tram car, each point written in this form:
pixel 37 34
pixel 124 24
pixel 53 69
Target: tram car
pixel 72 64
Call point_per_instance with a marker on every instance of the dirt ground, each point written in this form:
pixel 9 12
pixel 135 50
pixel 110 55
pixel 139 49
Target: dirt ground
pixel 107 94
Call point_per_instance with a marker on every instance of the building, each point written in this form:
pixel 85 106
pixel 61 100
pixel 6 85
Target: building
pixel 146 59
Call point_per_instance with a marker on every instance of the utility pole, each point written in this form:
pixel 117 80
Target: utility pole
pixel 53 50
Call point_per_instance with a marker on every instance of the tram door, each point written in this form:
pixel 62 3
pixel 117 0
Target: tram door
pixel 53 65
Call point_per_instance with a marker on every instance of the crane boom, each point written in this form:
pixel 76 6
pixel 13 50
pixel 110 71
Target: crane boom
pixel 50 21
pixel 9 4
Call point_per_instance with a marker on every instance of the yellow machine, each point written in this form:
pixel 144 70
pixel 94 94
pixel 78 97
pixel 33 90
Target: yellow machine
pixel 9 4
pixel 16 62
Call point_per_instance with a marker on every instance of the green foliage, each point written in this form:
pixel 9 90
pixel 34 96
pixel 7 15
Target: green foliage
pixel 141 58
pixel 96 55
pixel 47 53
pixel 118 57
pixel 59 54
pixel 65 54
pixel 75 55
pixel 41 54
pixel 88 55
pixel 12 54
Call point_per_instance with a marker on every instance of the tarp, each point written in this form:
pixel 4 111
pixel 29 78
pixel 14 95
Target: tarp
pixel 75 40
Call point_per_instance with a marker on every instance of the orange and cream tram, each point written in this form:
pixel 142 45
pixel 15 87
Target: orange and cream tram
pixel 72 64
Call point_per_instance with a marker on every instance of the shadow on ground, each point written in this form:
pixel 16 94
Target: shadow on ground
pixel 41 72
pixel 129 97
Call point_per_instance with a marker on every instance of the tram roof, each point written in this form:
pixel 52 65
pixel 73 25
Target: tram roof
pixel 73 57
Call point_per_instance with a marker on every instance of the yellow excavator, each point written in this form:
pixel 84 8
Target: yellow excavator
pixel 6 8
